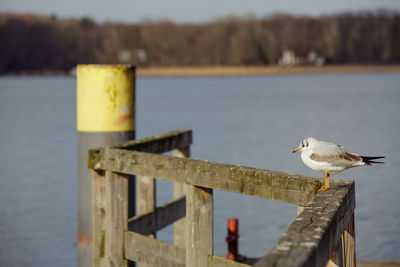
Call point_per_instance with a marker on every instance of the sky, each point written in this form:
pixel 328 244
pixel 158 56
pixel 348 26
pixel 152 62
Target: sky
pixel 187 11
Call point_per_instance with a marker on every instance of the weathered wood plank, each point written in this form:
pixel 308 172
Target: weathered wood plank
pixel 313 236
pixel 145 199
pixel 160 143
pixel 179 191
pixel 162 216
pixel 153 252
pixel 199 225
pixel 349 244
pixel 336 259
pixel 155 144
pixel 116 218
pixel 214 261
pixel 145 195
pixel 250 181
pixel 99 207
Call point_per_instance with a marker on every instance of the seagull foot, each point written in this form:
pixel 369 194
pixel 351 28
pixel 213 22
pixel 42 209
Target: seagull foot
pixel 323 189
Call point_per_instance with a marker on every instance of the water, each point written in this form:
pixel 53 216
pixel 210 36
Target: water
pixel 252 121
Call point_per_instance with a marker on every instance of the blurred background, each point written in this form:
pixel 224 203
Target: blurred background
pixel 47 36
pixel 251 120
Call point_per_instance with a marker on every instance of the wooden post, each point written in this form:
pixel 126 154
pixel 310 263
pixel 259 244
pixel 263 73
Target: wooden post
pixel 345 252
pixel 99 211
pixel 145 198
pixel 145 194
pixel 199 225
pixel 116 218
pixel 179 191
pixel 349 244
pixel 336 259
pixel 105 116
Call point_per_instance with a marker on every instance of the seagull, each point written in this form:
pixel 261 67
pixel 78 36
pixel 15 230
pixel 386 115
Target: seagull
pixel 330 158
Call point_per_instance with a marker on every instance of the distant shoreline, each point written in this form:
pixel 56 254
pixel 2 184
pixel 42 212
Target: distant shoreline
pixel 213 71
pixel 260 70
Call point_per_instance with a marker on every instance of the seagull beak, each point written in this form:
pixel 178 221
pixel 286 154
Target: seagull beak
pixel 297 149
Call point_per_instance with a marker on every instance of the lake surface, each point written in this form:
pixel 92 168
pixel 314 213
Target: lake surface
pixel 252 121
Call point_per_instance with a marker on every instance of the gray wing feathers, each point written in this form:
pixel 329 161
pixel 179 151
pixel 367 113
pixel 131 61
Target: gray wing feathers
pixel 335 155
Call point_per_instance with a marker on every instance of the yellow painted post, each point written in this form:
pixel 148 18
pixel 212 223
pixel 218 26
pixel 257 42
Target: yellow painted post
pixel 105 116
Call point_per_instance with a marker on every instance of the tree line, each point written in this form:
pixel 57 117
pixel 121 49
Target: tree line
pixel 32 43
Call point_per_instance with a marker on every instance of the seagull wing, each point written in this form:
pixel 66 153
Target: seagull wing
pixel 335 155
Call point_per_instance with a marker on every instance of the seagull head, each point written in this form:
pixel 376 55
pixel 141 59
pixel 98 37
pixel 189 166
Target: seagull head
pixel 307 142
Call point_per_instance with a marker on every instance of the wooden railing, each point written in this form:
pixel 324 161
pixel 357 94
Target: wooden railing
pixel 323 230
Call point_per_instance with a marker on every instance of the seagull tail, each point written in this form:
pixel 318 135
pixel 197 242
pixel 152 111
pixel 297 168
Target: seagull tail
pixel 371 160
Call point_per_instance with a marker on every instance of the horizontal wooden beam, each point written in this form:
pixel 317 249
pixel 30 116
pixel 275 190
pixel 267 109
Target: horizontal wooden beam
pixel 314 234
pixel 158 253
pixel 162 216
pixel 262 183
pixel 152 252
pixel 214 261
pixel 160 143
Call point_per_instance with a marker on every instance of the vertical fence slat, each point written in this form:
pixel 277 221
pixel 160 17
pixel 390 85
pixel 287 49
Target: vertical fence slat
pixel 349 244
pixel 179 191
pixel 199 225
pixel 336 259
pixel 145 198
pixel 116 218
pixel 145 194
pixel 99 207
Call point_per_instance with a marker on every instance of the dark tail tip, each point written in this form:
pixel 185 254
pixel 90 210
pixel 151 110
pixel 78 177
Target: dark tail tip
pixel 371 160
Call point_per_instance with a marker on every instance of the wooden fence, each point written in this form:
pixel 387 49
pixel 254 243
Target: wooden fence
pixel 322 233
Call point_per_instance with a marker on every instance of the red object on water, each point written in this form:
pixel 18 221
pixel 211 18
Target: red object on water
pixel 233 225
pixel 233 240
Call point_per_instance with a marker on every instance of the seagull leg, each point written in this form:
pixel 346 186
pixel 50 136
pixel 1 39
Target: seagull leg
pixel 326 183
